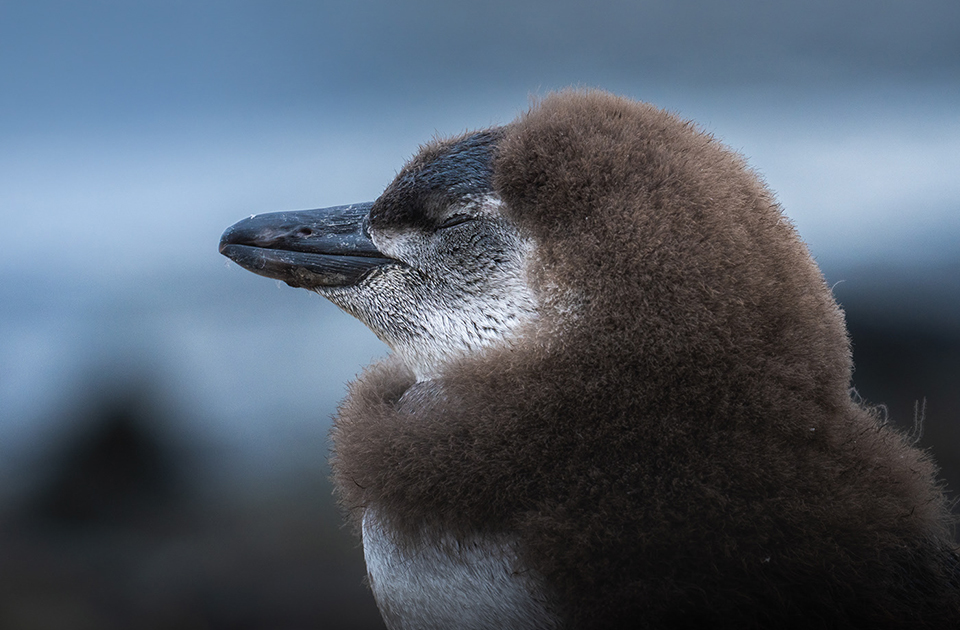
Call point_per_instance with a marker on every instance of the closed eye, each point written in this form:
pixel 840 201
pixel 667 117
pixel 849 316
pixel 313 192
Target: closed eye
pixel 456 219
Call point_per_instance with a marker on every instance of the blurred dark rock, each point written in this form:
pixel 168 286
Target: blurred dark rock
pixel 120 533
pixel 117 471
pixel 914 372
pixel 905 329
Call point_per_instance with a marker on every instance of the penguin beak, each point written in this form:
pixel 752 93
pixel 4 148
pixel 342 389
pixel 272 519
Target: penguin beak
pixel 329 247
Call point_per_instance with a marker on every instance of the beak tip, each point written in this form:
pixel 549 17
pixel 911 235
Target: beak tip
pixel 225 240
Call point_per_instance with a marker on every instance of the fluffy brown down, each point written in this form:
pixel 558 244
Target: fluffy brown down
pixel 674 441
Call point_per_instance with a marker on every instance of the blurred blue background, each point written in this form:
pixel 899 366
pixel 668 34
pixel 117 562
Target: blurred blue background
pixel 133 133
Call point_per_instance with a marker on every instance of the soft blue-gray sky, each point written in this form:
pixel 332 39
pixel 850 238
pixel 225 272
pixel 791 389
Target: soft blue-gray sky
pixel 125 62
pixel 132 133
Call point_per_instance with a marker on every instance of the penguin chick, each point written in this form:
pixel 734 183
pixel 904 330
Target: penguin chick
pixel 619 393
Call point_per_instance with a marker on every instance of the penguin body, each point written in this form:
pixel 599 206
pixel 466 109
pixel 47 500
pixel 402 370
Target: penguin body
pixel 619 397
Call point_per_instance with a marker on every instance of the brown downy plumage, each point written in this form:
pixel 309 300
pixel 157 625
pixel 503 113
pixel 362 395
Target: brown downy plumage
pixel 655 422
pixel 674 441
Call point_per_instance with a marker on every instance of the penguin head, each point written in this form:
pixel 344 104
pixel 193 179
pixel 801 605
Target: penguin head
pixel 433 267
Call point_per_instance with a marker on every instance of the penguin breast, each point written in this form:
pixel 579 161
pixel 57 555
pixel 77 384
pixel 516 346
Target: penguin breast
pixel 439 581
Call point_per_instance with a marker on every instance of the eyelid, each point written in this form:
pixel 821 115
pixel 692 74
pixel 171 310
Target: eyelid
pixel 456 219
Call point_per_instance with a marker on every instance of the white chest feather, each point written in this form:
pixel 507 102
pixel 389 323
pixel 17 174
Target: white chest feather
pixel 447 583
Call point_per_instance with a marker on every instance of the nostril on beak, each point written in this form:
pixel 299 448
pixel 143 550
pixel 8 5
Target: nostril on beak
pixel 305 232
